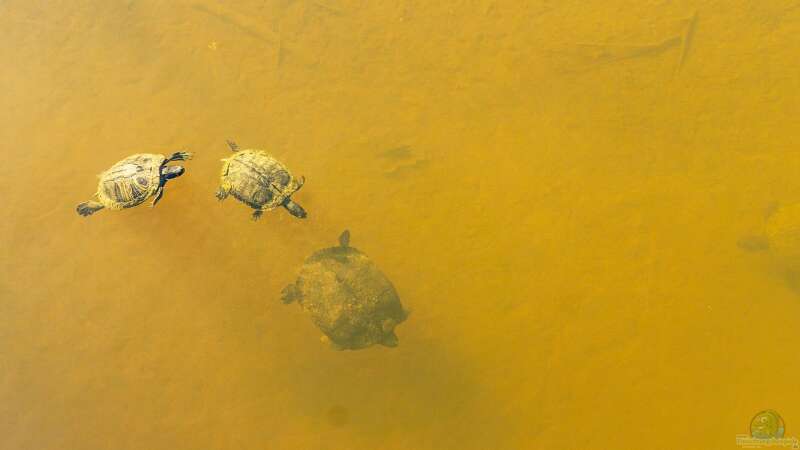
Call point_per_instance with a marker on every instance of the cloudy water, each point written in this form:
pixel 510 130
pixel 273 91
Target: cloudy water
pixel 585 205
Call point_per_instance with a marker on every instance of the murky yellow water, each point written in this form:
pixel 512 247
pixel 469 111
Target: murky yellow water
pixel 556 188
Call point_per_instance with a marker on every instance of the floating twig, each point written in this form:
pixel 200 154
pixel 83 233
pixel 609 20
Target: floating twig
pixel 687 40
pixel 240 21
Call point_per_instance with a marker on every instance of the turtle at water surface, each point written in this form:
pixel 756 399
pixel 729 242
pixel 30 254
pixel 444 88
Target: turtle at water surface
pixel 257 179
pixel 348 297
pixel 132 181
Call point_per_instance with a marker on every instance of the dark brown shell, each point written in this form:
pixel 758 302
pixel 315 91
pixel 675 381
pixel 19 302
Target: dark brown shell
pixel 351 301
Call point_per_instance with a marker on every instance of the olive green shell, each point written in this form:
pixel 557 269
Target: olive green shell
pixel 257 179
pixel 349 299
pixel 130 181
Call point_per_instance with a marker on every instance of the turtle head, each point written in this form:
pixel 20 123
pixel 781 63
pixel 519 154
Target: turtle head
pixel 294 209
pixel 171 172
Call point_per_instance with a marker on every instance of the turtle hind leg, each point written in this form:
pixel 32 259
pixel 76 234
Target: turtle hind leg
pixel 88 208
pixel 233 145
pixel 390 340
pixel 257 214
pixel 158 195
pixel 290 293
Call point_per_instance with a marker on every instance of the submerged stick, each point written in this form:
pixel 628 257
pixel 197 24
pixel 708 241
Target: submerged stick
pixel 253 28
pixel 687 40
pixel 622 52
pixel 240 21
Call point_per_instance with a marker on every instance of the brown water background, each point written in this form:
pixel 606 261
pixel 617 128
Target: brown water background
pixel 556 189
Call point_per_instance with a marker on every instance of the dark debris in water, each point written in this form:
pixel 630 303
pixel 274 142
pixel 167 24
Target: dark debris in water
pixel 402 160
pixel 397 153
pixel 405 169
pixel 753 243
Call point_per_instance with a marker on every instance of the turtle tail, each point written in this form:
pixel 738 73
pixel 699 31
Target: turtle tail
pixel 88 208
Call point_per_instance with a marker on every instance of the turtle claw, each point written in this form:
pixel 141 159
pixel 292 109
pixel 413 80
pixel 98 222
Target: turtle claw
pixel 180 156
pixel 221 194
pixel 333 345
pixel 257 214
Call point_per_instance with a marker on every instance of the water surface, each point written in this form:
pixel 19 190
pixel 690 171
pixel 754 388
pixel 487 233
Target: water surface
pixel 556 189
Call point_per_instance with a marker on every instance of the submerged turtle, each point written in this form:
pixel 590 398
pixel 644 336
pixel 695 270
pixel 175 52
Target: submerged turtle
pixel 133 180
pixel 260 181
pixel 348 297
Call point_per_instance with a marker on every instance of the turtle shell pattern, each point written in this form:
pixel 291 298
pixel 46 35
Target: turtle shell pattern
pixel 257 179
pixel 349 299
pixel 130 181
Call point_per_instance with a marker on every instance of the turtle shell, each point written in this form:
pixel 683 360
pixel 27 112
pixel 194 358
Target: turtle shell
pixel 257 179
pixel 351 301
pixel 130 181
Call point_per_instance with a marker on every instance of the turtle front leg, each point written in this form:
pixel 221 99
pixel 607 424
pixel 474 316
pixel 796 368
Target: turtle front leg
pixel 257 214
pixel 221 194
pixel 158 195
pixel 180 156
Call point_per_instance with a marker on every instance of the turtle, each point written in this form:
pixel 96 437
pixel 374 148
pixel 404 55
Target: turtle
pixel 351 301
pixel 257 179
pixel 133 180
